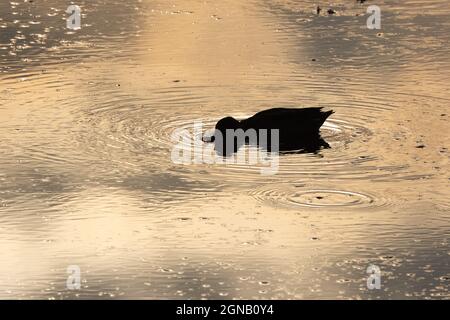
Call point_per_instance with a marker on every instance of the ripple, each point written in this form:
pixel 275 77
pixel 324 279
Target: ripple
pixel 292 196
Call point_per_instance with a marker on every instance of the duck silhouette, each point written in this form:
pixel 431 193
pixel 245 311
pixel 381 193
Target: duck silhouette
pixel 298 130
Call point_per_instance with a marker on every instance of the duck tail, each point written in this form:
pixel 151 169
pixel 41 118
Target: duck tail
pixel 323 116
pixel 327 114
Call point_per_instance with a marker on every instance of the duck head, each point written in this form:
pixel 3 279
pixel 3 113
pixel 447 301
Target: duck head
pixel 227 123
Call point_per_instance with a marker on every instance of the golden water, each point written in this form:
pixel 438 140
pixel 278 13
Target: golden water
pixel 86 176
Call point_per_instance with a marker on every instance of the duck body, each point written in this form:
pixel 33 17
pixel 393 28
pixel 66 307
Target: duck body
pixel 297 128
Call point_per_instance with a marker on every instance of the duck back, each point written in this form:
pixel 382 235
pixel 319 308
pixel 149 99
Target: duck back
pixel 288 120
